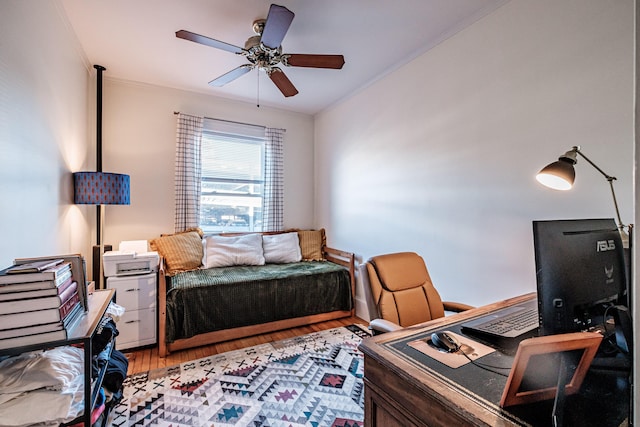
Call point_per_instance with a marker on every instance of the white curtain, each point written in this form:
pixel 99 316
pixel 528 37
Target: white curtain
pixel 273 197
pixel 188 171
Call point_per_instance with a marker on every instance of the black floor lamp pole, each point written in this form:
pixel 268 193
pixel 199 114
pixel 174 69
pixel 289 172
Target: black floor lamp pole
pixel 99 218
pixel 100 69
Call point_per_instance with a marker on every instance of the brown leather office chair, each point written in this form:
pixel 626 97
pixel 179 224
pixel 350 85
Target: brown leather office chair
pixel 400 293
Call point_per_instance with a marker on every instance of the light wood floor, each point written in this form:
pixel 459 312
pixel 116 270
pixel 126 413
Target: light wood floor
pixel 147 359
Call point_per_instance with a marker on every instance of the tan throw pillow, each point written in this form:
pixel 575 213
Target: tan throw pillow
pixel 312 243
pixel 181 251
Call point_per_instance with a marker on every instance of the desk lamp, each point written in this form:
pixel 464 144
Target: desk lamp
pixel 561 174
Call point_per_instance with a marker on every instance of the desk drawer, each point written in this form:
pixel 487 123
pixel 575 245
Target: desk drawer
pixel 134 292
pixel 136 328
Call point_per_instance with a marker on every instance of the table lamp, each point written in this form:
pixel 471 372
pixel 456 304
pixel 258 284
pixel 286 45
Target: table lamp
pixel 101 188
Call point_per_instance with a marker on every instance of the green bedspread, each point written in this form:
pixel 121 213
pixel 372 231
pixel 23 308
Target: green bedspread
pixel 228 297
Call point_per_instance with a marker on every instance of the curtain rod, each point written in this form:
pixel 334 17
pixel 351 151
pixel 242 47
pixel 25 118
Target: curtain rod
pixel 231 121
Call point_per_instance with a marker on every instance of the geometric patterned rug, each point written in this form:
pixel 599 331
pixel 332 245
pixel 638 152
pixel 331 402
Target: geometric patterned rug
pixel 312 380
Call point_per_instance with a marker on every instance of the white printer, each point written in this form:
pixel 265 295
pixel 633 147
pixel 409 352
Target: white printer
pixel 126 263
pixel 132 272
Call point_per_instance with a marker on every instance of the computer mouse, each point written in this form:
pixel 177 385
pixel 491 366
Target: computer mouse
pixel 445 342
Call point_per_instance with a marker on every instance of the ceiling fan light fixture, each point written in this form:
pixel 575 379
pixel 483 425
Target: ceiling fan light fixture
pixel 258 26
pixel 252 42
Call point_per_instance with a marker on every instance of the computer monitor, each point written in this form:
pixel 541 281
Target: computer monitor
pixel 580 271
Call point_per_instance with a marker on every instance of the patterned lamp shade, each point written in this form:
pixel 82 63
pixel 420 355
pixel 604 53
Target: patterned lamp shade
pixel 101 188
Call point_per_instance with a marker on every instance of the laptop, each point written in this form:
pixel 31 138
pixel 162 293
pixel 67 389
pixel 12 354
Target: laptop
pixel 510 322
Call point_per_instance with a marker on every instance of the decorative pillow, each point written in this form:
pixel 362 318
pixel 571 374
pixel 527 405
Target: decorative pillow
pixel 281 248
pixel 181 251
pixel 225 251
pixel 312 243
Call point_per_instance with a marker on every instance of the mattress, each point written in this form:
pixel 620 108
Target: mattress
pixel 221 298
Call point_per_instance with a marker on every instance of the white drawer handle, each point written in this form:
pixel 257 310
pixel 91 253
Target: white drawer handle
pixel 132 321
pixel 133 290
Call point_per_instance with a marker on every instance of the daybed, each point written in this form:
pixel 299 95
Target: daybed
pixel 220 287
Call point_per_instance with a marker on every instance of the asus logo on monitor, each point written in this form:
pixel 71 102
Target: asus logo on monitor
pixel 605 245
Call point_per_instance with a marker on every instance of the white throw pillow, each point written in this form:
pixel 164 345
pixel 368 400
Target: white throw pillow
pixel 225 251
pixel 281 248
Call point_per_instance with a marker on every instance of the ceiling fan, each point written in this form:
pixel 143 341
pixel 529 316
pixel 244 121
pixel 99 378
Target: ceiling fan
pixel 264 51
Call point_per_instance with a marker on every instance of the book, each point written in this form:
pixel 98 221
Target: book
pixel 42 303
pixel 37 285
pixel 29 318
pixel 67 323
pixel 67 306
pixel 51 274
pixel 33 267
pixel 62 328
pixel 31 330
pixel 78 268
pixel 22 294
pixel 76 312
pixel 26 337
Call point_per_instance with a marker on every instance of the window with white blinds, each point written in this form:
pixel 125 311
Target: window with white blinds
pixel 232 177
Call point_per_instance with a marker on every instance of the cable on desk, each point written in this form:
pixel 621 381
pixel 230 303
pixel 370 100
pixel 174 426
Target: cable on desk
pixel 485 366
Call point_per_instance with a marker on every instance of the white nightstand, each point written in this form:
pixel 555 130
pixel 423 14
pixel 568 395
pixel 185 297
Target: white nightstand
pixel 137 294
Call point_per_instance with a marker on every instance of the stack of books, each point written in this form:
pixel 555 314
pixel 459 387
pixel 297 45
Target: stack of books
pixel 39 302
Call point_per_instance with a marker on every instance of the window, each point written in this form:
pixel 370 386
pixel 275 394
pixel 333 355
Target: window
pixel 232 177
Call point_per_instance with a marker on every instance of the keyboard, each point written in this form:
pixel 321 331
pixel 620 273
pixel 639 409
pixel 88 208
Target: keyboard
pixel 510 322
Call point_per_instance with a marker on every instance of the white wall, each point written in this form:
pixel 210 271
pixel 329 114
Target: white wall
pixel 139 132
pixel 43 132
pixel 440 156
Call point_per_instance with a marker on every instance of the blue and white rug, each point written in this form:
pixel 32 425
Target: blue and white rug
pixel 313 380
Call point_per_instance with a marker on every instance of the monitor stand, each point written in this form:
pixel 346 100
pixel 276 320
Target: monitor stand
pixel 615 352
pixel 611 363
pixel 624 329
pixel 557 417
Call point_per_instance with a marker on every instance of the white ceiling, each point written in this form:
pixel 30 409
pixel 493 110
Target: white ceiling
pixel 135 40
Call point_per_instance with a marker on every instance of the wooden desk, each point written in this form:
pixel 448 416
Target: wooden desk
pixel 402 388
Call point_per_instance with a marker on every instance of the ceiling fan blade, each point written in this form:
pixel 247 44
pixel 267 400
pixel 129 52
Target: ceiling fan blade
pixel 314 61
pixel 277 24
pixel 188 35
pixel 231 75
pixel 279 78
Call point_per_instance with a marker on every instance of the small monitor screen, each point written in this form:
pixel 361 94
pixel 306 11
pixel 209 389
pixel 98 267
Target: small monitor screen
pixel 580 270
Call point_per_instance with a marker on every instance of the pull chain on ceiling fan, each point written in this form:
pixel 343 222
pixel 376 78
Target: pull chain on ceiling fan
pixel 264 51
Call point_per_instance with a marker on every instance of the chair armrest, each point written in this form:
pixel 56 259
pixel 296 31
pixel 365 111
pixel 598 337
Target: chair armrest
pixel 456 307
pixel 381 326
